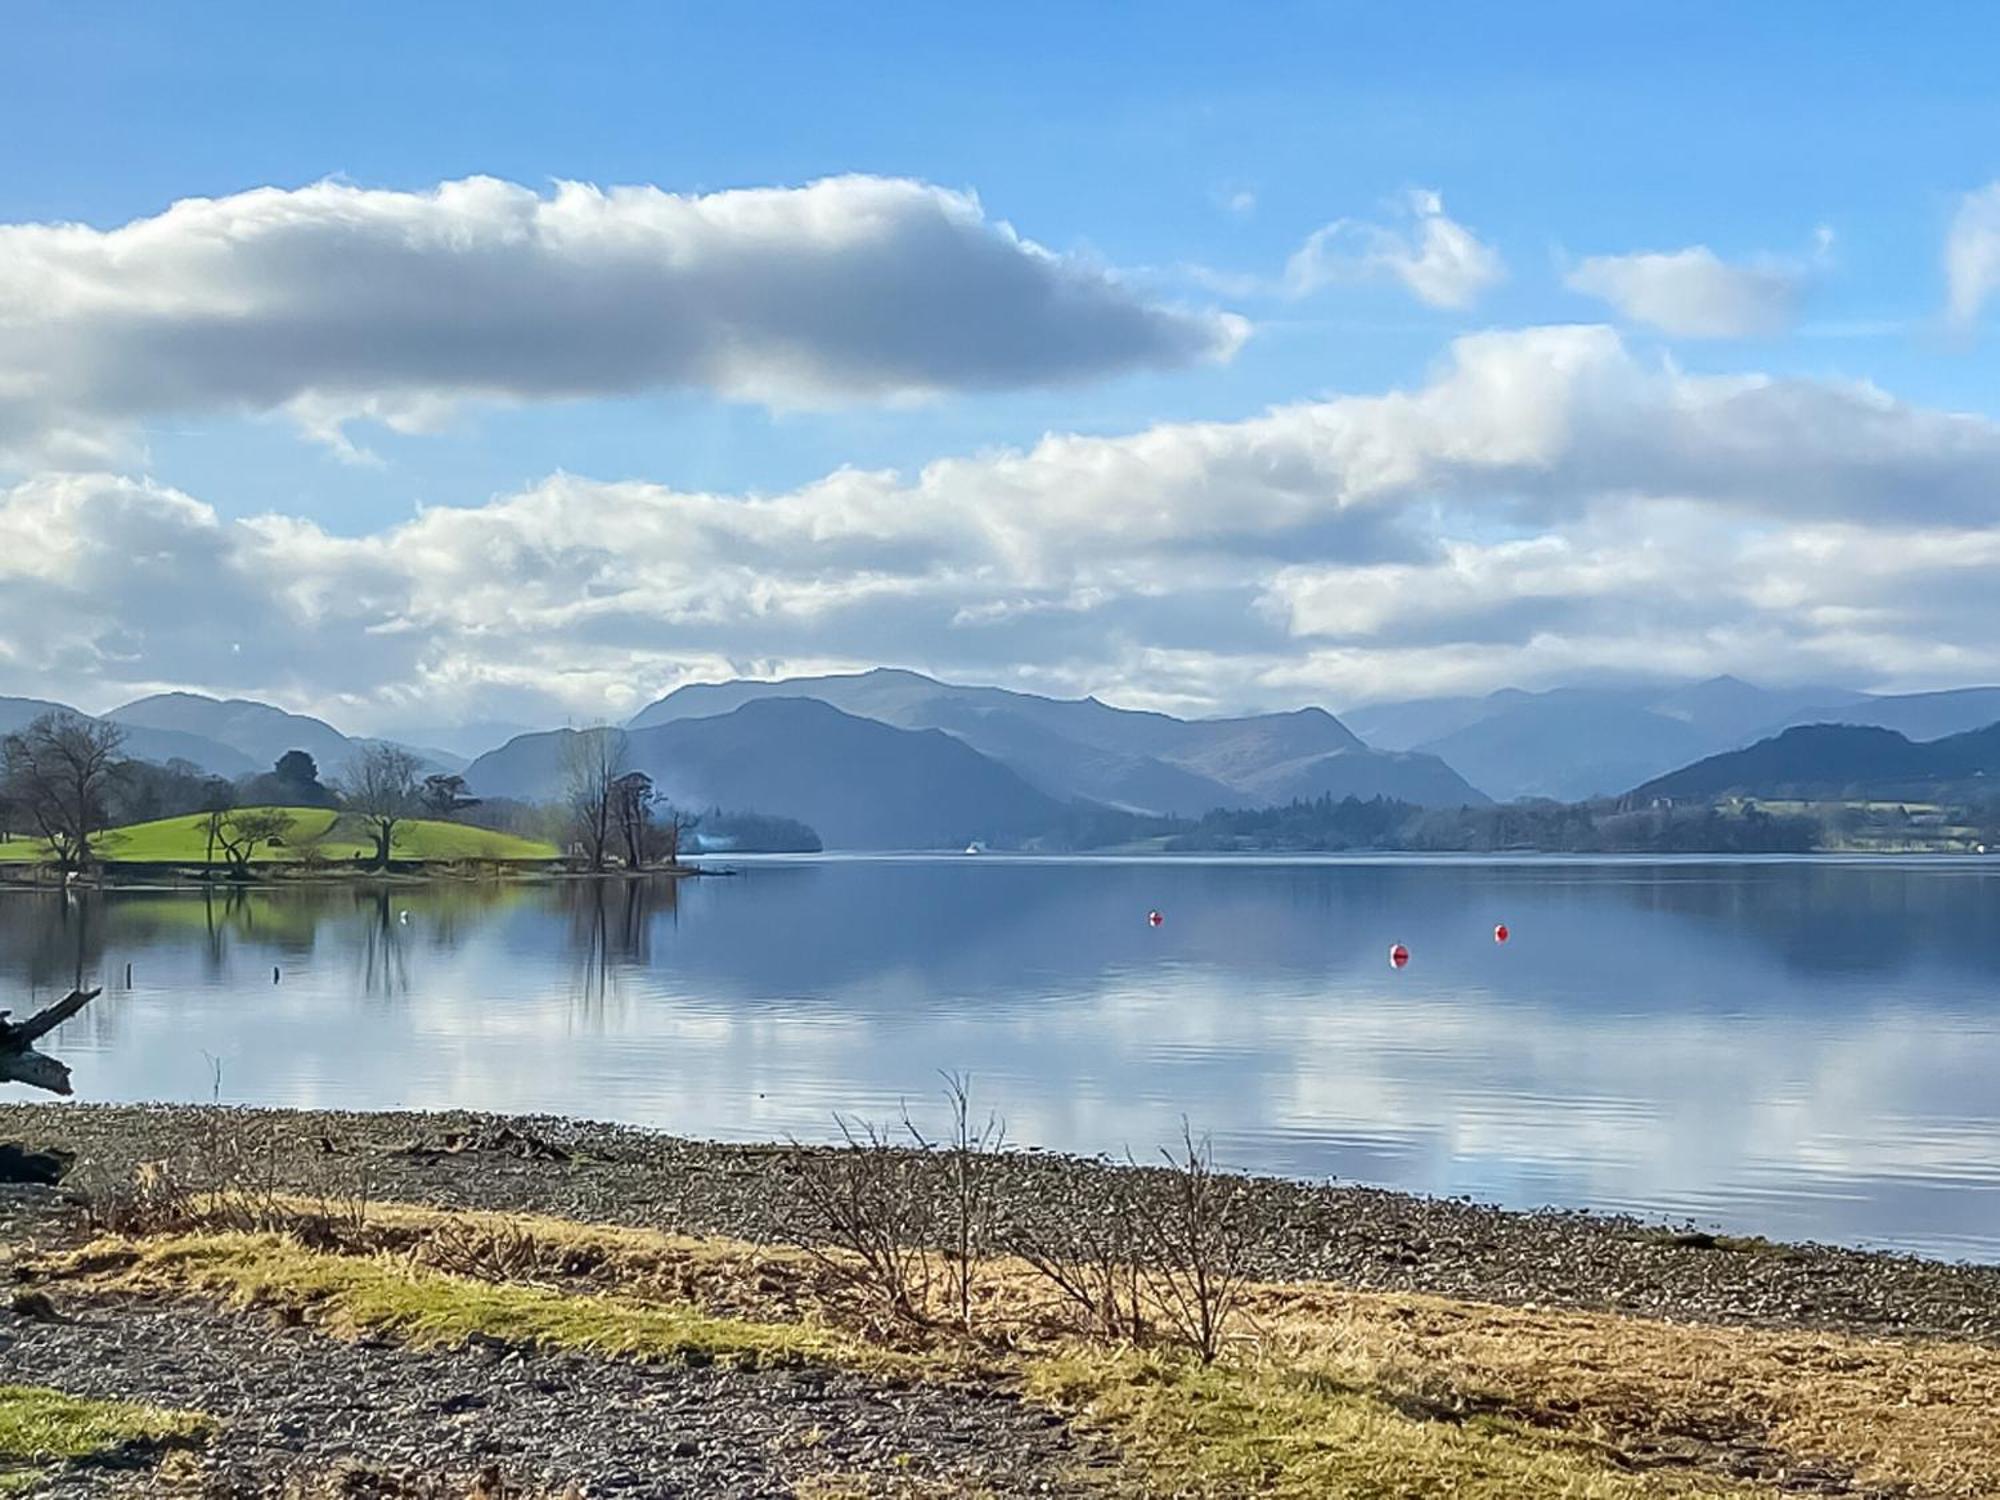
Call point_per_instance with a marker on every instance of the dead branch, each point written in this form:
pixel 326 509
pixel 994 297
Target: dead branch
pixel 20 1062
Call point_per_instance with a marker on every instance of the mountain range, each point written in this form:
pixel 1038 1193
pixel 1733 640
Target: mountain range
pixel 223 737
pixel 1078 749
pixel 894 759
pixel 1575 743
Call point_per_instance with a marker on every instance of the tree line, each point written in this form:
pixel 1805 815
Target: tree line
pixel 65 780
pixel 1327 824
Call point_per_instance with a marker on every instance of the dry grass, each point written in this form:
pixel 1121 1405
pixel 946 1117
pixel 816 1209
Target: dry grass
pixel 1318 1391
pixel 1922 1413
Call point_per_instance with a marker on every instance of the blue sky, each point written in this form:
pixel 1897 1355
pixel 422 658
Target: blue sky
pixel 1189 151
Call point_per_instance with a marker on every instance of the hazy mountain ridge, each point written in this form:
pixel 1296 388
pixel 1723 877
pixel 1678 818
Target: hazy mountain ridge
pixel 141 742
pixel 257 731
pixel 1135 759
pixel 1579 742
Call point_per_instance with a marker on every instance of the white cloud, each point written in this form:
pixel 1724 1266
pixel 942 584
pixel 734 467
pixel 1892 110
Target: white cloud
pixel 1972 253
pixel 1693 293
pixel 1545 504
pixel 333 302
pixel 1443 263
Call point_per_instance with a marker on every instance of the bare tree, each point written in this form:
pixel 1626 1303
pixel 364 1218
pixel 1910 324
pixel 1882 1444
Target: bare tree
pixel 241 830
pixel 57 772
pixel 668 831
pixel 217 798
pixel 632 810
pixel 380 788
pixel 593 764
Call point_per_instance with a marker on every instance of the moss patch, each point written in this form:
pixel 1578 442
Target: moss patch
pixel 348 1294
pixel 1265 1428
pixel 41 1428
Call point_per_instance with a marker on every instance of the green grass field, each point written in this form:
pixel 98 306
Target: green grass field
pixel 184 840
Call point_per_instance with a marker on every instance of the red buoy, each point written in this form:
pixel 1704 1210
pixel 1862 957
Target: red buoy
pixel 1501 934
pixel 1399 956
pixel 1154 919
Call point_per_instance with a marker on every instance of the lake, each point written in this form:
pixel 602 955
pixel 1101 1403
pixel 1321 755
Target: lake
pixel 1806 1048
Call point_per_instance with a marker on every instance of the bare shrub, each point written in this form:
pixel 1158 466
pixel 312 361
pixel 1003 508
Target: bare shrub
pixel 863 1210
pixel 970 1210
pixel 904 1217
pixel 1195 1245
pixel 1090 1258
pixel 496 1252
pixel 236 1178
pixel 1162 1251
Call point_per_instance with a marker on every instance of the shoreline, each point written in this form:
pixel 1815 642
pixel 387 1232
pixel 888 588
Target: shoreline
pixel 404 1306
pixel 1361 1238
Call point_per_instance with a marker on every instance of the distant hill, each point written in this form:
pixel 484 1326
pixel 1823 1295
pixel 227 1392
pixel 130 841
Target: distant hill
pixel 141 743
pixel 1831 761
pixel 258 732
pixel 1921 716
pixel 1575 743
pixel 859 783
pixel 1132 759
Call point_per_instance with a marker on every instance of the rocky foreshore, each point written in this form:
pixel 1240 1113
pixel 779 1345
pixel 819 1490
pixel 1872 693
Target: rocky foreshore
pixel 1356 1237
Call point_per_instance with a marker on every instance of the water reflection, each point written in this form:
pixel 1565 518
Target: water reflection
pixel 1801 1048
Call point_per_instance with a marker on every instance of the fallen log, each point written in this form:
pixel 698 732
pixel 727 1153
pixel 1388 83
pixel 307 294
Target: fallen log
pixel 20 1062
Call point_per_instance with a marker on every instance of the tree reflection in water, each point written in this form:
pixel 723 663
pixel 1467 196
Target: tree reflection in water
pixel 610 933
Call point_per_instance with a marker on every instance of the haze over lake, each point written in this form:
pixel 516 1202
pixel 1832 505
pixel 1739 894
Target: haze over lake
pixel 1805 1049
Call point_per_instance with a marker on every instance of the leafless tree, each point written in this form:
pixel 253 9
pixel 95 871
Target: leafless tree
pixel 668 831
pixel 632 810
pixel 217 798
pixel 380 788
pixel 593 765
pixel 241 830
pixel 57 773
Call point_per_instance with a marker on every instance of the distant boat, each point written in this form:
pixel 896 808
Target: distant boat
pixel 975 847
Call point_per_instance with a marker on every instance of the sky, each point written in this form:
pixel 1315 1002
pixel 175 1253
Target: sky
pixel 429 365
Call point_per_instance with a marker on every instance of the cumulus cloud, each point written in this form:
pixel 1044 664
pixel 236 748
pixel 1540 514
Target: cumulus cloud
pixel 1693 293
pixel 1972 253
pixel 1439 260
pixel 1546 503
pixel 333 302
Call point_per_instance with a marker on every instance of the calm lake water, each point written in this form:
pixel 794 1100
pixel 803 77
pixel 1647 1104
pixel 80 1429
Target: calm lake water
pixel 1808 1049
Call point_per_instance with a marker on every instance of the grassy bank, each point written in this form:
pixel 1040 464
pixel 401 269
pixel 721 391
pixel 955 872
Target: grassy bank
pixel 324 833
pixel 1319 1391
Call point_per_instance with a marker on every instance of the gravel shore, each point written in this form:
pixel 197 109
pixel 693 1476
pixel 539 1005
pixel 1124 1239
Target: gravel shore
pixel 367 1419
pixel 1354 1237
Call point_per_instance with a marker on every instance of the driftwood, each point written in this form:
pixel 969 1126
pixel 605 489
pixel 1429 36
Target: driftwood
pixel 20 1062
